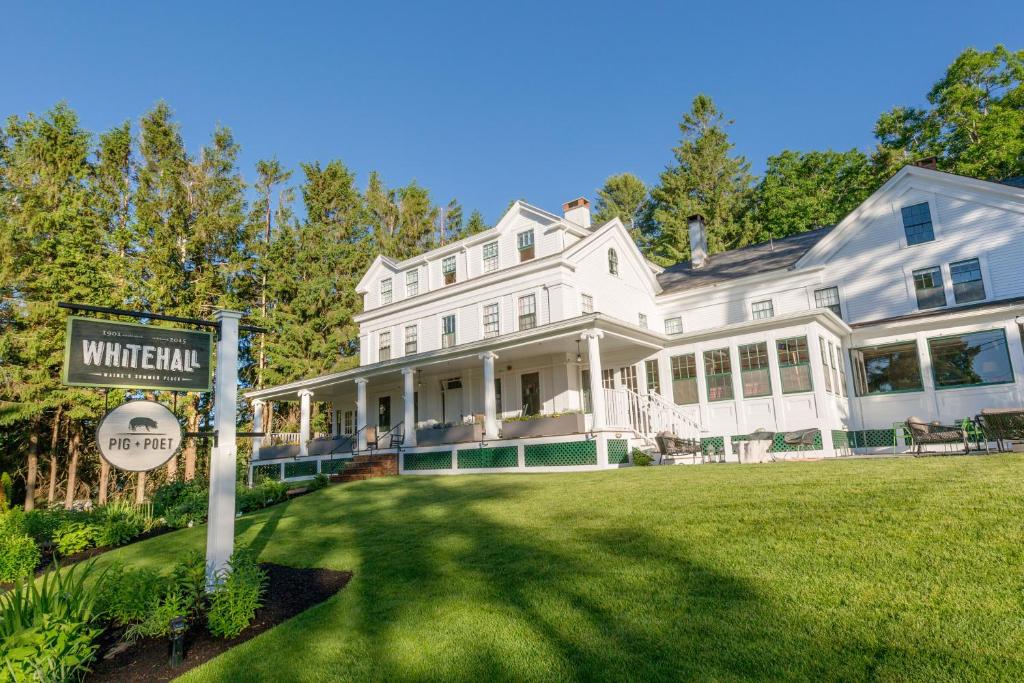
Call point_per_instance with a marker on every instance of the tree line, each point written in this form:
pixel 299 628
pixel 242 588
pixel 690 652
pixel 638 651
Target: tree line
pixel 131 218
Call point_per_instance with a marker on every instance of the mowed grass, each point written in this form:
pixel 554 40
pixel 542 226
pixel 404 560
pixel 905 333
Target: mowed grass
pixel 898 569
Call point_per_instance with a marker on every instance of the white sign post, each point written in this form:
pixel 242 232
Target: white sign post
pixel 220 527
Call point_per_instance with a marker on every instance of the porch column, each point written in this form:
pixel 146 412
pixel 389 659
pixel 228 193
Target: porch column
pixel 596 388
pixel 334 421
pixel 304 397
pixel 490 401
pixel 257 426
pixel 361 412
pixel 270 423
pixel 409 405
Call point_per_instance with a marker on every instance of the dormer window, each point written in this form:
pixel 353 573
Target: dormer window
pixel 917 223
pixel 490 257
pixel 448 269
pixel 385 291
pixel 524 241
pixel 412 283
pixel 613 262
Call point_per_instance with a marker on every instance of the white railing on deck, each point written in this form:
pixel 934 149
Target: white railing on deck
pixel 286 438
pixel 647 415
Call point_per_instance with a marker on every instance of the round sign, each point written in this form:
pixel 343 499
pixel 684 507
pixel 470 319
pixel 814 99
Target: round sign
pixel 139 436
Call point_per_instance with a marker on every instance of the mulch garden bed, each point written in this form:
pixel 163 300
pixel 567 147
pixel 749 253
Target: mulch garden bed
pixel 289 591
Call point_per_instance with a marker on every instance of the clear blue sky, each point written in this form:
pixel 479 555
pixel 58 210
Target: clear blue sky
pixel 488 102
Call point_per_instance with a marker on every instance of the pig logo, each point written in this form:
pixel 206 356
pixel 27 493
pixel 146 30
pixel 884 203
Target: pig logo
pixel 137 423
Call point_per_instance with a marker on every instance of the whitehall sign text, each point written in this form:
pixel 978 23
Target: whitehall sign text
pixel 139 436
pixel 103 353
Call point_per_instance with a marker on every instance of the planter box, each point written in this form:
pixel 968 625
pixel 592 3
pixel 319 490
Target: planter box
pixel 446 435
pixel 544 426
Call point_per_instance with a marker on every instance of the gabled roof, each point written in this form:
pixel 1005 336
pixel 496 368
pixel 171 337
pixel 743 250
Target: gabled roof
pixel 746 261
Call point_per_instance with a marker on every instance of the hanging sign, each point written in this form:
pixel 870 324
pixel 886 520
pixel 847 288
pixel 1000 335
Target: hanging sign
pixel 104 353
pixel 139 436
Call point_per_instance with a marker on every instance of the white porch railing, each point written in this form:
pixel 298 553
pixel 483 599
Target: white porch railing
pixel 287 438
pixel 647 415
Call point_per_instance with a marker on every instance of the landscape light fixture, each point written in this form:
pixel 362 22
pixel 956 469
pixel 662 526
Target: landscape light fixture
pixel 579 357
pixel 177 628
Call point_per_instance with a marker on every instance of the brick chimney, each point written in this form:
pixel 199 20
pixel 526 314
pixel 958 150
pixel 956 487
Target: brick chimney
pixel 577 211
pixel 931 163
pixel 698 241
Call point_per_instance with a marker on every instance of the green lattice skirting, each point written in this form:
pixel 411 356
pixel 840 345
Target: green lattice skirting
pixel 501 456
pixel 712 445
pixel 333 466
pixel 841 439
pixel 873 438
pixel 299 469
pixel 618 452
pixel 432 460
pixel 266 472
pixel 561 454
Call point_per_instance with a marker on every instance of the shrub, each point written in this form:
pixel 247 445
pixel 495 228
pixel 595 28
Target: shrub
pixel 158 618
pixel 181 503
pixel 42 524
pixel 267 492
pixel 236 599
pixel 188 578
pixel 127 596
pixel 75 534
pixel 19 553
pixel 641 459
pixel 318 482
pixel 118 523
pixel 46 627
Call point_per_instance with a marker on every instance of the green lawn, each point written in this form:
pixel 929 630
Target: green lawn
pixel 902 569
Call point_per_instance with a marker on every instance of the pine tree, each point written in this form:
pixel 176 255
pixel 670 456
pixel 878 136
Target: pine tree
pixel 706 178
pixel 474 225
pixel 625 197
pixel 270 175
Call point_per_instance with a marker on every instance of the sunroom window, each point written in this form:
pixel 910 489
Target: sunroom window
pixel 928 285
pixel 967 283
pixel 448 269
pixel 917 223
pixel 754 372
pixel 653 380
pixel 524 241
pixel 718 373
pixel 684 379
pixel 794 364
pixel 971 359
pixel 824 364
pixel 886 369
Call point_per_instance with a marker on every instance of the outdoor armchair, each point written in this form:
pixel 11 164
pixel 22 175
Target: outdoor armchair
pixel 1002 425
pixel 923 434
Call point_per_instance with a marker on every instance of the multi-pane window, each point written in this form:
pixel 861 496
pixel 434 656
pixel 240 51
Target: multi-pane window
pixel 886 369
pixel 754 373
pixel 762 309
pixel 524 242
pixel 653 380
pixel 684 379
pixel 587 303
pixel 824 364
pixel 349 422
pixel 673 325
pixel 528 312
pixel 928 285
pixel 643 320
pixel 447 331
pixel 385 291
pixel 718 373
pixel 412 334
pixel 629 380
pixel 967 283
pixel 490 257
pixel 491 320
pixel 448 269
pixel 828 298
pixel 585 382
pixel 384 346
pixel 794 364
pixel 971 359
pixel 841 367
pixel 412 283
pixel 917 223
pixel 608 378
pixel 613 262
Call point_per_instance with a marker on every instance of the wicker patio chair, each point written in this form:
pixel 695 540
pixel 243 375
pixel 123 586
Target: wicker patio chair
pixel 670 446
pixel 1003 425
pixel 802 439
pixel 923 434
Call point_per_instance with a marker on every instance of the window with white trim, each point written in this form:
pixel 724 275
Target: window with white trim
pixel 613 262
pixel 674 325
pixel 385 291
pixel 412 334
pixel 447 331
pixel 643 319
pixel 917 223
pixel 828 298
pixel 412 283
pixel 490 254
pixel 527 312
pixel 761 310
pixel 587 303
pixel 384 346
pixel 754 375
pixel 929 288
pixel 718 374
pixel 524 242
pixel 448 269
pixel 684 379
pixel 968 285
pixel 491 320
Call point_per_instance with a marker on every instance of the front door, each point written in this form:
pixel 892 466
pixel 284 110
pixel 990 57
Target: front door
pixel 451 400
pixel 531 393
pixel 383 414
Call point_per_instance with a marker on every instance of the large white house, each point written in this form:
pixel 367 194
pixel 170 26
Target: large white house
pixel 909 306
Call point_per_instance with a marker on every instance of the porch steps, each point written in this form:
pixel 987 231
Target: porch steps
pixel 367 467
